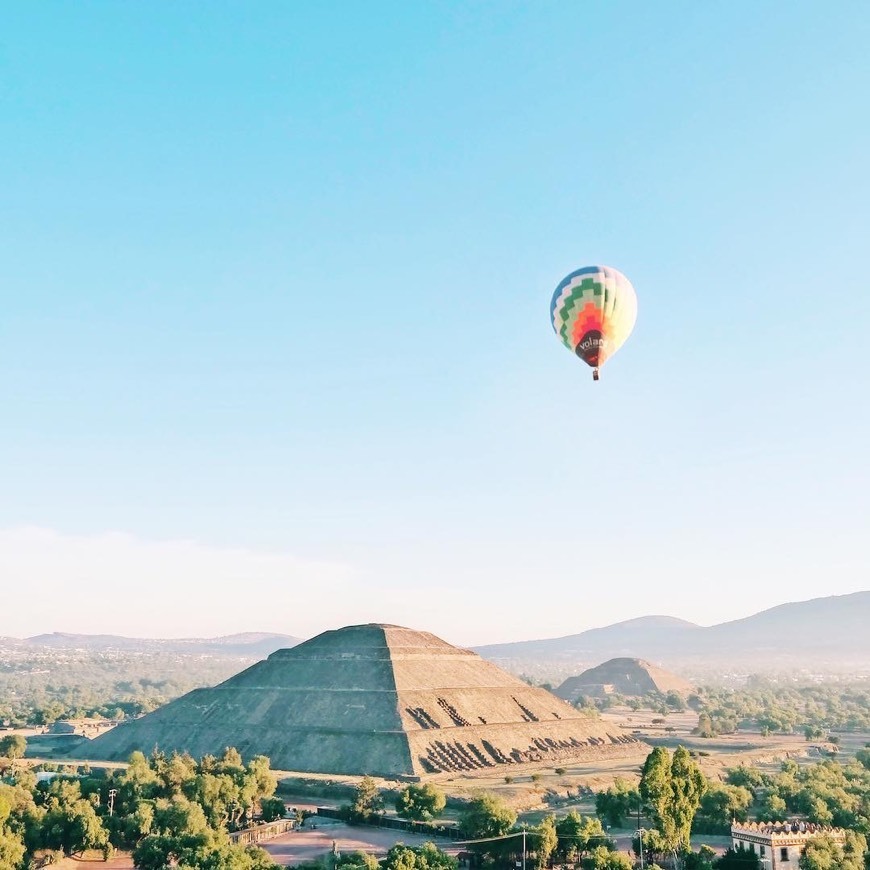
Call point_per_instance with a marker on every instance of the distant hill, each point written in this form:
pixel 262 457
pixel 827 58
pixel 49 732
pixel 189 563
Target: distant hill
pixel 627 676
pixel 623 638
pixel 838 623
pixel 825 634
pixel 247 645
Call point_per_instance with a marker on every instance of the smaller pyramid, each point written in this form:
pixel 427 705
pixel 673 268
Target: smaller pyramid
pixel 623 676
pixel 374 699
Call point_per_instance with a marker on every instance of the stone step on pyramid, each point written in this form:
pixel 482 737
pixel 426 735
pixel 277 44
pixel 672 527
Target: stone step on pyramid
pixel 374 699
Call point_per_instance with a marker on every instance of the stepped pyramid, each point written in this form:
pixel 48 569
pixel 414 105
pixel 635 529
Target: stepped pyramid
pixel 373 699
pixel 630 677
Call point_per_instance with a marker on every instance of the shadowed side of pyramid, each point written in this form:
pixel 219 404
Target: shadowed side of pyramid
pixel 373 699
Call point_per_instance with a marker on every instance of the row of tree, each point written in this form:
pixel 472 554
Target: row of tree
pixel 678 799
pixel 816 710
pixel 40 688
pixel 169 810
pixel 491 831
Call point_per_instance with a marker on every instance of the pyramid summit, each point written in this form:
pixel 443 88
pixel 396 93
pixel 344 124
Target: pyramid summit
pixel 373 699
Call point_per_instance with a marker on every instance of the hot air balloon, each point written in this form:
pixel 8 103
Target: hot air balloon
pixel 593 312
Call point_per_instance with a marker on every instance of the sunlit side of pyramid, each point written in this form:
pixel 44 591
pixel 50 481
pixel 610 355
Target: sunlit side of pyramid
pixel 374 699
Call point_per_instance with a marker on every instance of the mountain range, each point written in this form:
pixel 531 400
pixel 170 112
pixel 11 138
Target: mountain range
pixel 249 645
pixel 830 634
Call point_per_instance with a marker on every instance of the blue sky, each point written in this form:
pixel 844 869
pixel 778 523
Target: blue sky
pixel 274 345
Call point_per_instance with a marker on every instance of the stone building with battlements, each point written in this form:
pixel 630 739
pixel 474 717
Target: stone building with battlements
pixel 779 845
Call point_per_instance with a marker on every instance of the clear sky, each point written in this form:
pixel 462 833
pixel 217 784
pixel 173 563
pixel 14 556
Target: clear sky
pixel 274 341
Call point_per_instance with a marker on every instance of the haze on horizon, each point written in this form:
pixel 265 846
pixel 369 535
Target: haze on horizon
pixel 274 347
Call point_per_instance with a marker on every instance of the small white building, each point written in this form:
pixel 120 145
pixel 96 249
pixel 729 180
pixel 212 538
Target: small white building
pixel 779 845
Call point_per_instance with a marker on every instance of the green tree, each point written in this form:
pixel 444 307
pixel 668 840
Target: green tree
pixel 618 802
pixel 11 845
pixel 272 808
pixel 701 860
pixel 656 791
pixel 258 858
pixel 673 787
pixel 738 859
pixel 11 850
pixel 688 786
pixel 357 861
pixel 425 857
pixel 132 827
pixel 71 823
pixel 368 801
pixel 228 791
pixel 178 817
pixel 602 858
pixel 773 808
pixel 745 776
pixel 721 804
pixel 544 841
pixel 208 850
pixel 420 802
pixel 705 726
pixel 180 836
pixel 176 773
pixel 12 746
pixel 675 701
pixel 824 853
pixel 261 777
pixel 486 816
pixel 818 811
pixel 138 782
pixel 654 844
pixel 578 834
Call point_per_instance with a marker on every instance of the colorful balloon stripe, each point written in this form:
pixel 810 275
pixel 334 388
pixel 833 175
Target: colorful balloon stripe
pixel 593 311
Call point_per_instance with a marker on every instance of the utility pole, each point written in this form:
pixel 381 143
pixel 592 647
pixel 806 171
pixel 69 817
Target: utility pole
pixel 112 793
pixel 524 849
pixel 640 830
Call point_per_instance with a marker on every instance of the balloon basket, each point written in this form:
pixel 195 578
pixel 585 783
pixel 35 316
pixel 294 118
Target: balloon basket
pixel 594 374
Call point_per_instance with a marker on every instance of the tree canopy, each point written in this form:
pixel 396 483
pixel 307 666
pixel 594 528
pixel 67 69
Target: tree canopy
pixel 420 802
pixel 368 801
pixel 824 853
pixel 672 786
pixel 171 811
pixel 13 746
pixel 486 816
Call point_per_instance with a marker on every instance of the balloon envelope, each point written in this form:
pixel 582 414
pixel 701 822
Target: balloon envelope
pixel 593 312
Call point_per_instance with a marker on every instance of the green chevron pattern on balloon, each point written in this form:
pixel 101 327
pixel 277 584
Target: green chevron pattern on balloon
pixel 593 311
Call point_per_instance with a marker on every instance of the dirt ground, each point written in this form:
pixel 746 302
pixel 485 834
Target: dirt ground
pixel 535 792
pixel 307 844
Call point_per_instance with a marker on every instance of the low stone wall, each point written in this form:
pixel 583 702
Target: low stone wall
pixel 258 833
